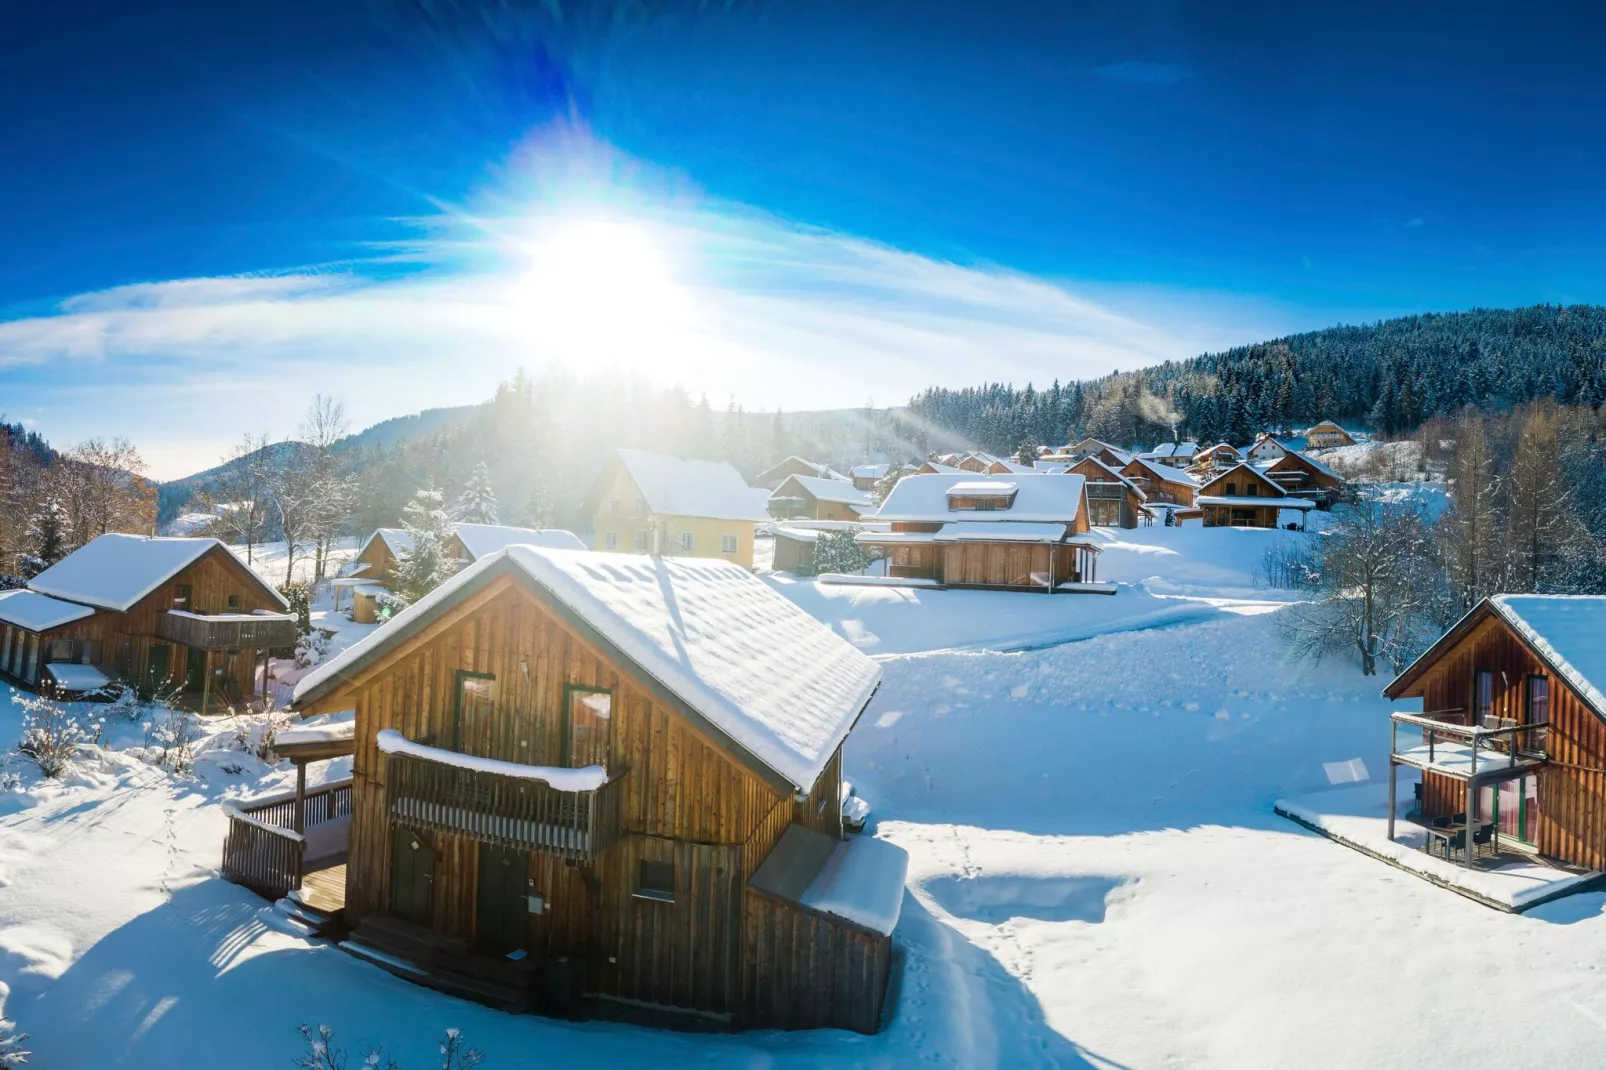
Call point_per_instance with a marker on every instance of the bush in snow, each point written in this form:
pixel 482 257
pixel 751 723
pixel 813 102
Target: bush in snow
pixel 311 648
pixel 12 1052
pixel 53 732
pixel 10 582
pixel 170 740
pixel 394 603
pixel 837 552
pixel 125 704
pixel 321 1053
pixel 256 734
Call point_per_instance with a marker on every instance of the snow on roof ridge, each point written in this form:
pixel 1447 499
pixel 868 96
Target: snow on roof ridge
pixel 115 571
pixel 1509 607
pixel 680 486
pixel 481 540
pixel 1039 496
pixel 777 682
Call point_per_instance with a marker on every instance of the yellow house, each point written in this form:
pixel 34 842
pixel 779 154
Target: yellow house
pixel 652 503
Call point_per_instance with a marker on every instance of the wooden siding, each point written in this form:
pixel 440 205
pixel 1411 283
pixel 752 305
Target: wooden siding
pixel 683 801
pixel 807 971
pixel 1572 788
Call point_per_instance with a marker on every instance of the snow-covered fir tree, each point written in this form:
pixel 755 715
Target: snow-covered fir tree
pixel 426 563
pixel 837 551
pixel 49 537
pixel 13 1050
pixel 477 503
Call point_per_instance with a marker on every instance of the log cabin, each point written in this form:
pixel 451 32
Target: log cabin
pixel 1217 458
pixel 1304 476
pixel 1016 534
pixel 1326 434
pixel 1512 731
pixel 373 570
pixel 811 498
pixel 866 476
pixel 1113 500
pixel 619 777
pixel 653 503
pixel 1114 456
pixel 1244 497
pixel 180 616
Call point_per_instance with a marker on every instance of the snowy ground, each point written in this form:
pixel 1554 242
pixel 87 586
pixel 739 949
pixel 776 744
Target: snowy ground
pixel 268 559
pixel 1097 877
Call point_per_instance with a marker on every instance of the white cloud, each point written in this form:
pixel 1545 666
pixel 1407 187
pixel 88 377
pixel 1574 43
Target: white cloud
pixel 723 302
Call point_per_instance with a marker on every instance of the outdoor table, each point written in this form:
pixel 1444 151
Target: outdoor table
pixel 1446 833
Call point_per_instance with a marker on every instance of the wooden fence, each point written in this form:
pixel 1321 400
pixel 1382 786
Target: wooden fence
pixel 263 851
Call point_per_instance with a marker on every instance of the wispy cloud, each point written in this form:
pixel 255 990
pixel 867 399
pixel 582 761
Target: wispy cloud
pixel 718 298
pixel 1142 72
pixel 1414 223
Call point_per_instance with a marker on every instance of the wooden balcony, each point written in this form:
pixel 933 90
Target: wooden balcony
pixel 227 631
pixel 264 851
pixel 515 812
pixel 1446 744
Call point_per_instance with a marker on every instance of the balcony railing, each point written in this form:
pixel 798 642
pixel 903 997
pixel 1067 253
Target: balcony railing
pixel 263 850
pixel 515 812
pixel 227 631
pixel 1447 743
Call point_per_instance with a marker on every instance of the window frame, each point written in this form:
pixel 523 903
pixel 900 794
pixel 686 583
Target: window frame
pixel 457 703
pixel 653 889
pixel 565 737
pixel 729 544
pixel 1478 710
pixel 610 540
pixel 688 541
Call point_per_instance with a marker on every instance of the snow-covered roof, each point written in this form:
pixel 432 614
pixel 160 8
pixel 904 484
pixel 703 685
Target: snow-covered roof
pixel 1568 631
pixel 1012 466
pixel 944 469
pixel 781 686
pixel 823 471
pixel 333 732
pixel 1289 451
pixel 674 486
pixel 396 540
pixel 72 677
pixel 986 488
pixel 1050 466
pixel 115 571
pixel 859 880
pixel 1115 477
pixel 1260 477
pixel 1166 472
pixel 560 778
pixel 36 612
pixel 482 540
pixel 827 490
pixel 868 471
pixel 1039 497
pixel 966 531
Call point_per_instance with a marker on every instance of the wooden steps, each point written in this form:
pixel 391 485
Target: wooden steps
pixel 445 963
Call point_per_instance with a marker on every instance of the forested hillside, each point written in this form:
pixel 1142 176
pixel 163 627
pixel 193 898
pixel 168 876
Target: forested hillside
pixel 1388 376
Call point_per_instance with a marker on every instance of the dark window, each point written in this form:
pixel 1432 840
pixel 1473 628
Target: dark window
pixel 656 881
pixel 234 601
pixel 1251 490
pixel 1482 696
pixel 181 596
pixel 61 650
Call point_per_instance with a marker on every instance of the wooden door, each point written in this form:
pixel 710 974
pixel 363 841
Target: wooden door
pixel 194 668
pixel 412 876
pixel 502 903
pixel 156 666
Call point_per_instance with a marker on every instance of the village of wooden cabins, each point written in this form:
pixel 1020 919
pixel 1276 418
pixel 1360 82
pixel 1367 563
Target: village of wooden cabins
pixel 611 775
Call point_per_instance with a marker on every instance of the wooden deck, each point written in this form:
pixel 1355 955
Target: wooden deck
pixel 325 889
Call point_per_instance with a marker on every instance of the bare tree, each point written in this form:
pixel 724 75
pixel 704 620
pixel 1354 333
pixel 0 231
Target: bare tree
pixel 1372 583
pixel 331 492
pixel 102 488
pixel 244 491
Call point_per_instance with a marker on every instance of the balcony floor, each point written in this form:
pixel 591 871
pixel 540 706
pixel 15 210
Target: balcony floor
pixel 1456 760
pixel 1358 817
pixel 325 889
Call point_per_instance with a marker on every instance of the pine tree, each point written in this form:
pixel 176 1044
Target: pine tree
pixel 49 536
pixel 426 563
pixel 477 503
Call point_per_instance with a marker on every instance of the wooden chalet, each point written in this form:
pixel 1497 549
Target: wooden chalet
pixel 1305 477
pixel 1172 454
pixel 612 777
pixel 978 463
pixel 866 476
pixel 1326 434
pixel 1113 500
pixel 652 503
pixel 937 468
pixel 1002 466
pixel 373 570
pixel 180 616
pixel 776 474
pixel 1217 458
pixel 1161 484
pixel 1018 534
pixel 1114 456
pixel 1511 739
pixel 1245 497
pixel 808 497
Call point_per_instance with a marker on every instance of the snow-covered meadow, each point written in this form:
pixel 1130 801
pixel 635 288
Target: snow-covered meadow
pixel 1084 784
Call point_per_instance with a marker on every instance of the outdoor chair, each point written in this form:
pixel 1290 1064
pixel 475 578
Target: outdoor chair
pixel 1483 837
pixel 1454 844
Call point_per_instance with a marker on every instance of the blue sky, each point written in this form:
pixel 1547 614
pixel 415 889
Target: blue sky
pixel 213 208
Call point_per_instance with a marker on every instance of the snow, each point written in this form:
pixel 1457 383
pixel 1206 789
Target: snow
pixel 268 559
pixel 868 471
pixel 234 813
pixel 716 636
pixel 586 778
pixel 116 571
pixel 1568 631
pixel 862 881
pixel 967 531
pixel 1039 496
pixel 674 486
pixel 990 488
pixel 1167 473
pixel 333 732
pixel 1251 501
pixel 829 490
pixel 482 540
pixel 73 677
pixel 1358 817
pixel 1096 873
pixel 235 618
pixel 37 612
